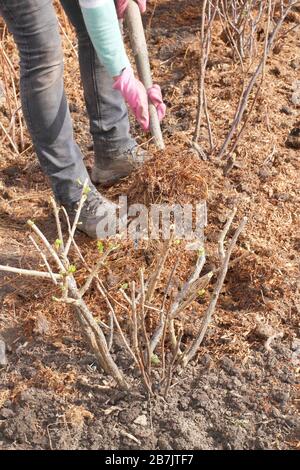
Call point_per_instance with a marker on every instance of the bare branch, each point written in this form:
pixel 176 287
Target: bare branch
pixel 171 366
pixel 94 272
pixel 30 272
pixel 190 353
pixel 47 245
pixel 142 320
pixel 44 258
pixel 223 234
pixel 247 91
pixel 82 200
pixel 160 261
pixel 58 224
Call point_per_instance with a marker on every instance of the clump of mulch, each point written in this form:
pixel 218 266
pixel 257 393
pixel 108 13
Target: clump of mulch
pixel 174 175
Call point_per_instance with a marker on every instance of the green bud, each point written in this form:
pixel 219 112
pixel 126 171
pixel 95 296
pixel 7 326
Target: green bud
pixel 155 360
pixel 125 286
pixel 100 247
pixel 201 292
pixel 58 243
pixel 201 252
pixel 72 269
pixel 86 190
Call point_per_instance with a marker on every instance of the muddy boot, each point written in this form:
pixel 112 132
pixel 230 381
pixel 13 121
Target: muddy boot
pixel 107 172
pixel 98 217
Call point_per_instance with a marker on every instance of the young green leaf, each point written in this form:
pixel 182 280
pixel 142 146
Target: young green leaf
pixel 57 243
pixel 72 269
pixel 100 247
pixel 86 190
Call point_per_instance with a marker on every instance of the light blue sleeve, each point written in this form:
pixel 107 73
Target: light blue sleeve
pixel 102 24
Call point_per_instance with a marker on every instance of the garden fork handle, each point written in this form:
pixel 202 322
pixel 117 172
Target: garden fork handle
pixel 140 51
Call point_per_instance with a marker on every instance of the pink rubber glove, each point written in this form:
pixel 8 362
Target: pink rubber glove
pixel 135 94
pixel 121 6
pixel 155 96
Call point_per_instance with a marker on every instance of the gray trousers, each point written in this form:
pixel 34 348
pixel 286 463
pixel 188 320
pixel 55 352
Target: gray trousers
pixel 34 26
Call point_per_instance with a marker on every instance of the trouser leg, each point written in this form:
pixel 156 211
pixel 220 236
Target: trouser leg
pixel 34 26
pixel 109 124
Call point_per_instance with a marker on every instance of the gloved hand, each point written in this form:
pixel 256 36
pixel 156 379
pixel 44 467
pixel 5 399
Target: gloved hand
pixel 135 94
pixel 155 96
pixel 121 6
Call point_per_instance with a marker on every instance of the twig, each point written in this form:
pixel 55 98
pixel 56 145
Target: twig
pixel 68 39
pixel 190 353
pixel 77 249
pixel 44 258
pixel 208 13
pixel 94 272
pixel 142 318
pixel 191 296
pixel 91 329
pixel 134 320
pixel 246 93
pixel 224 234
pixel 47 245
pixel 30 272
pixel 76 220
pixel 150 19
pixel 58 224
pixel 18 111
pixel 103 292
pixel 10 139
pixel 135 340
pixel 164 318
pixel 97 338
pixel 160 261
pixel 265 55
pixel 175 355
pixel 208 123
pixel 203 62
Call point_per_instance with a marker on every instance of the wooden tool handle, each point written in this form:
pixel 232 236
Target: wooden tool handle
pixel 140 51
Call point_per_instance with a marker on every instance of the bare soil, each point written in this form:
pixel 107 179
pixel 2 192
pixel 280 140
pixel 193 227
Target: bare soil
pixel 238 394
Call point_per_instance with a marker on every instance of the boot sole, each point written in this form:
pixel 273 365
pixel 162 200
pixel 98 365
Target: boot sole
pixel 107 177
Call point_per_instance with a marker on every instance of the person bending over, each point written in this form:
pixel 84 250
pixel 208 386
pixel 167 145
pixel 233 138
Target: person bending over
pixel 108 81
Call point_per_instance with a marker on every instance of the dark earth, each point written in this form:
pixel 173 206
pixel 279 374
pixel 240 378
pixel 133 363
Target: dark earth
pixel 221 405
